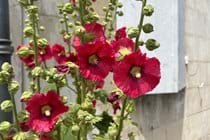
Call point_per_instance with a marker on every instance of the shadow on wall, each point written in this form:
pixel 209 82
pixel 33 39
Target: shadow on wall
pixel 160 117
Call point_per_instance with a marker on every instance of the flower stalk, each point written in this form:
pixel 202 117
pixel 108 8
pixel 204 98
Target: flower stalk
pixel 15 111
pixel 122 118
pixel 140 24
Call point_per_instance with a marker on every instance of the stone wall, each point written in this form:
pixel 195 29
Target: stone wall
pixel 178 116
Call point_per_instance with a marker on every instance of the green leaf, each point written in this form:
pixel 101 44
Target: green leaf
pixel 101 95
pixel 104 124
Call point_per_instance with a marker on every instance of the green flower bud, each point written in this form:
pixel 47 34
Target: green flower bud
pixel 133 32
pixel 23 116
pixel 112 130
pixel 148 10
pixel 130 107
pixel 24 52
pixel 70 25
pixel 6 106
pixel 42 42
pixel 26 96
pixel 33 9
pixel 148 28
pixel 42 28
pixel 20 136
pixel 120 13
pixel 92 17
pixel 152 44
pixel 68 8
pixel 140 43
pixel 61 20
pixel 28 31
pixel 13 87
pixel 37 71
pixel 64 99
pixel 4 76
pixel 79 30
pixel 67 36
pixel 23 3
pixel 5 126
pixel 7 67
pixel 75 129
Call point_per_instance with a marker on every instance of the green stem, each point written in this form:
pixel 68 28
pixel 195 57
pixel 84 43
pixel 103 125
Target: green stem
pixel 81 11
pixel 67 31
pixel 140 24
pixel 121 119
pixel 35 50
pixel 15 111
pixel 1 136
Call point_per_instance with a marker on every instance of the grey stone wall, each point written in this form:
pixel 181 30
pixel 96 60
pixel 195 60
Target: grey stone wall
pixel 180 116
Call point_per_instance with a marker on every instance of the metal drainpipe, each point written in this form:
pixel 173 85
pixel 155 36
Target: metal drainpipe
pixel 5 51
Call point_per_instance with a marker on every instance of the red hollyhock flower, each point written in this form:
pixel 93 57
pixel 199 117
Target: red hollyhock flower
pixel 96 31
pixel 44 110
pixel 136 74
pixel 45 53
pixel 24 126
pixel 112 97
pixel 121 33
pixel 122 47
pixel 63 69
pixel 58 51
pixel 95 60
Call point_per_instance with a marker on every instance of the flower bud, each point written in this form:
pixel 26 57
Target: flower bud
pixel 79 30
pixel 148 28
pixel 23 2
pixel 148 10
pixel 23 116
pixel 20 136
pixel 130 107
pixel 75 129
pixel 68 8
pixel 133 32
pixel 28 31
pixel 33 9
pixel 64 99
pixel 42 28
pixel 13 87
pixel 6 106
pixel 26 96
pixel 42 42
pixel 152 44
pixel 4 76
pixel 7 67
pixel 5 126
pixel 24 52
pixel 37 72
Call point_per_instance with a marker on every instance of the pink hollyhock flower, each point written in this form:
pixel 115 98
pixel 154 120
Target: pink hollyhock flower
pixel 45 110
pixel 121 33
pixel 45 53
pixel 63 69
pixel 58 52
pixel 95 60
pixel 122 47
pixel 136 74
pixel 28 60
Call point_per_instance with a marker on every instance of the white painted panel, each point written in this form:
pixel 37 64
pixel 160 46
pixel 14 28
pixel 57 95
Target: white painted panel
pixel 168 23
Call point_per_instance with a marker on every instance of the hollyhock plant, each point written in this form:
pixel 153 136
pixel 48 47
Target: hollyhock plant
pixel 102 71
pixel 45 110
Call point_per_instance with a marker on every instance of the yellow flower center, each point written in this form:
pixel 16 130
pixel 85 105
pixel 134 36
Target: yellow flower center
pixel 93 59
pixel 136 72
pixel 46 110
pixel 123 52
